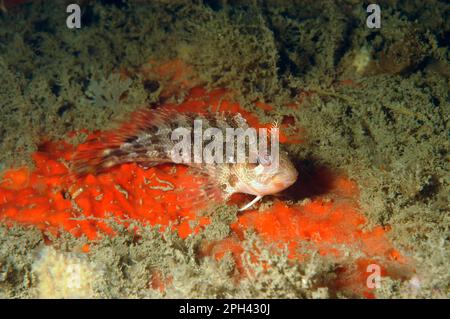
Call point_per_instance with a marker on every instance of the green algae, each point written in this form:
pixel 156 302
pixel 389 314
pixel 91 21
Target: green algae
pixel 16 258
pixel 388 128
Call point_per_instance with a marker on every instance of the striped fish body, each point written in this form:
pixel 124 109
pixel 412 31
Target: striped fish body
pixel 147 139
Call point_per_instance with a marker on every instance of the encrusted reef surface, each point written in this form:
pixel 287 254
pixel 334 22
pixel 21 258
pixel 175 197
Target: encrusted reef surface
pixel 364 113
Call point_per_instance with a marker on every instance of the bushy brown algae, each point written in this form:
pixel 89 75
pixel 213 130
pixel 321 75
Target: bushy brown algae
pixel 387 127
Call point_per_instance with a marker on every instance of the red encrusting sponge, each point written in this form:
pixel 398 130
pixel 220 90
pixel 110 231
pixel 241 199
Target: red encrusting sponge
pixel 52 199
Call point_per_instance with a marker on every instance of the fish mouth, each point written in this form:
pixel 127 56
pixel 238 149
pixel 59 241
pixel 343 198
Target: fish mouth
pixel 284 182
pixel 288 180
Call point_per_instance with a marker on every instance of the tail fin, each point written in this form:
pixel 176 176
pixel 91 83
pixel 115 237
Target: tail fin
pixel 106 150
pixel 93 157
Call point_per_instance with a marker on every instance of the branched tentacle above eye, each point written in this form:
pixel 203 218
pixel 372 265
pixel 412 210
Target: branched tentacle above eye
pixel 275 124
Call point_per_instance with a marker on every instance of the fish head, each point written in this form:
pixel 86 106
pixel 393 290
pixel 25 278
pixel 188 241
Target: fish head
pixel 266 177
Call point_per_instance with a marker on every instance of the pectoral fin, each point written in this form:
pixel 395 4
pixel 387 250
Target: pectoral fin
pixel 255 200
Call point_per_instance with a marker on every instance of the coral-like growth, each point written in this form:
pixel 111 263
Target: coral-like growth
pixel 64 275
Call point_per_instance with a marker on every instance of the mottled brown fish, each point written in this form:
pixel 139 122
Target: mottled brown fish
pixel 146 140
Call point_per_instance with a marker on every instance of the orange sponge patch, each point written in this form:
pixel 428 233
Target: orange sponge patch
pixel 52 199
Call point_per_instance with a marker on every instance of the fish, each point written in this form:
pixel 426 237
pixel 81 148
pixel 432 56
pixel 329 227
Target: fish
pixel 146 139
